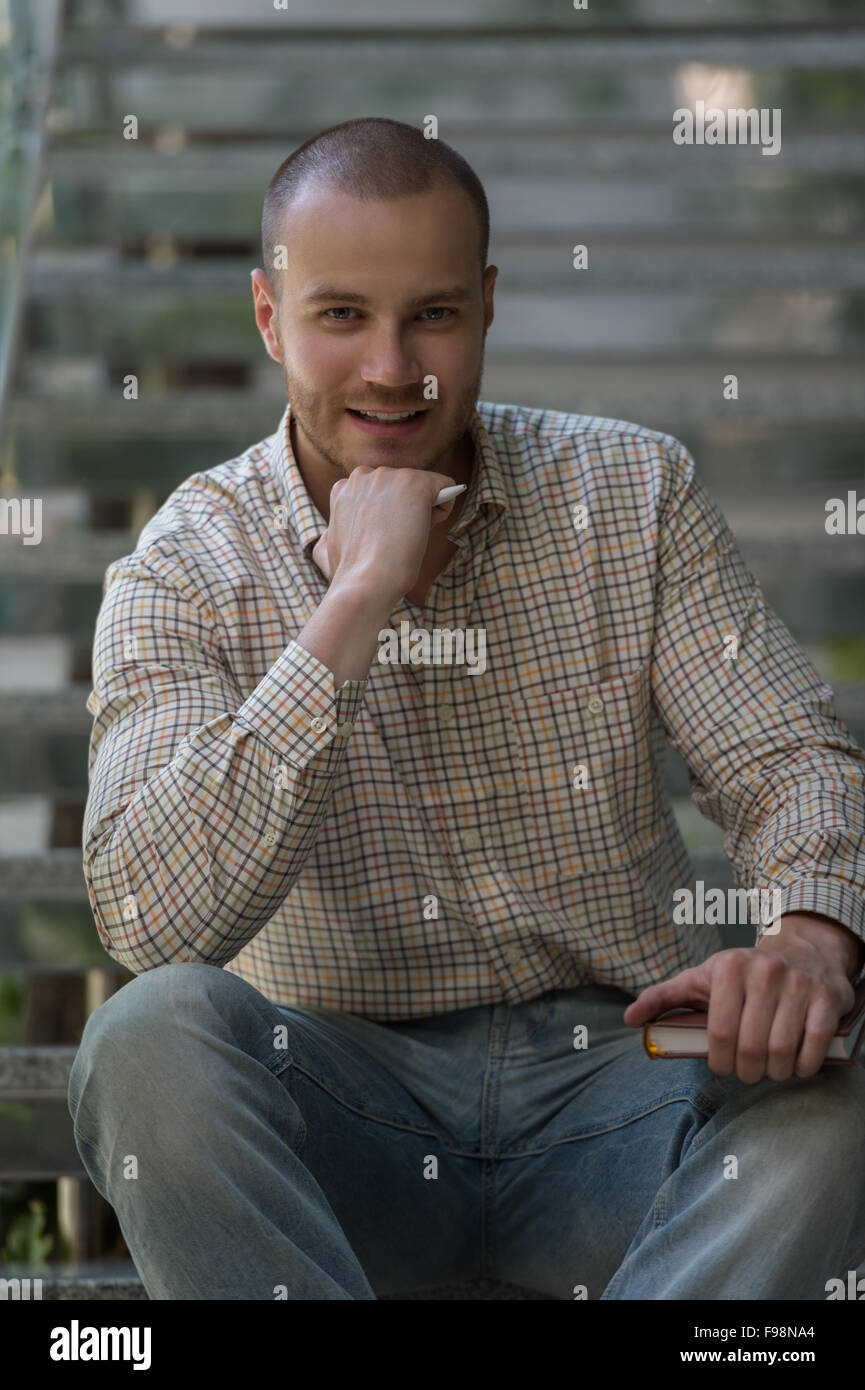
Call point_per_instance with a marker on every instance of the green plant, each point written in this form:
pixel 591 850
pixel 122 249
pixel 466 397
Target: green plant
pixel 24 1239
pixel 11 1005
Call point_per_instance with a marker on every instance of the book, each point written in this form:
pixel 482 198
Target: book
pixel 682 1033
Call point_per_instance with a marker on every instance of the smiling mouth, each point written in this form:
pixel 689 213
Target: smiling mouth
pixel 385 417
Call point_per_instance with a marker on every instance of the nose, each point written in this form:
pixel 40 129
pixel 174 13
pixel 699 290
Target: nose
pixel 390 361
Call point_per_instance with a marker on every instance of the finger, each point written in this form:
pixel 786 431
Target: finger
pixel 820 1025
pixel 725 1012
pixel 320 556
pixel 787 1028
pixel 688 987
pixel 764 983
pixel 439 513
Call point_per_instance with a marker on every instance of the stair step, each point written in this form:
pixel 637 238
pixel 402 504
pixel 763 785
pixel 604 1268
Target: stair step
pixel 69 557
pixel 109 1280
pixel 767 536
pixel 191 418
pixel 99 277
pixel 485 47
pixel 104 1280
pixel 54 875
pixel 800 419
pixel 51 939
pixel 35 1070
pixel 820 601
pixel 66 709
pixel 43 754
pixel 744 324
pixel 74 1280
pixel 46 710
pixel 217 162
pixel 340 17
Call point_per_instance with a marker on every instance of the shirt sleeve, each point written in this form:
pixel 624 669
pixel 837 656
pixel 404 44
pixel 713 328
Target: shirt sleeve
pixel 769 759
pixel 203 805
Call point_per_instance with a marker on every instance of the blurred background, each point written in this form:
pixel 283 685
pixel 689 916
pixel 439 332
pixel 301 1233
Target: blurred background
pixel 132 256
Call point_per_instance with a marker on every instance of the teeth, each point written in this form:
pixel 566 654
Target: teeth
pixel 375 415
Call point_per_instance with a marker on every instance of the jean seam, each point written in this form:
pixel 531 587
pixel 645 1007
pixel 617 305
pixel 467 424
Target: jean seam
pixel 278 1067
pixel 521 1150
pixel 660 1210
pixel 659 1219
pixel 490 1089
pixel 299 1142
pixel 280 1064
pixel 82 1141
pixel 393 1123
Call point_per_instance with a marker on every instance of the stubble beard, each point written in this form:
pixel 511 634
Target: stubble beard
pixel 304 415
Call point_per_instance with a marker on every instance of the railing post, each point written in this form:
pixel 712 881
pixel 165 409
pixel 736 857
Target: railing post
pixel 30 55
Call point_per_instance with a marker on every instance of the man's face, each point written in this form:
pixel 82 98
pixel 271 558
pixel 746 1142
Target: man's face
pixel 341 356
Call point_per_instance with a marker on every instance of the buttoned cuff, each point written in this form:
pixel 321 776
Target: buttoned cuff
pixel 297 709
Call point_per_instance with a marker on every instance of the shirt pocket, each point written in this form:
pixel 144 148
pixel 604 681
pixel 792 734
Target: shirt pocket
pixel 612 813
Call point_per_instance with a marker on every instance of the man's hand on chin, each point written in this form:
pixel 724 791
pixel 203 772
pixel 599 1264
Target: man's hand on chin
pixel 764 1000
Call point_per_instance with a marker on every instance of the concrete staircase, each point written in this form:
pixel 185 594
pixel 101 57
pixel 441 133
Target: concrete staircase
pixel 136 259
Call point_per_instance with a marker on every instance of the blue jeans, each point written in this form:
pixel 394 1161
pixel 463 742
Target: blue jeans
pixel 257 1151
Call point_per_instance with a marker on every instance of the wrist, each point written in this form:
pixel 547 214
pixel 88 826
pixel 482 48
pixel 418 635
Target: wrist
pixel 829 938
pixel 363 592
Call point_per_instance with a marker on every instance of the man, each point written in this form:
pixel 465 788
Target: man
pixel 430 882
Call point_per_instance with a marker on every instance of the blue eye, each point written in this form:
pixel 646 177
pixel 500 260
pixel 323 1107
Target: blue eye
pixel 433 309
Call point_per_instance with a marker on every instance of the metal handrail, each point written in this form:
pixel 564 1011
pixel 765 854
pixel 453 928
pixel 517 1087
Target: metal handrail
pixel 33 38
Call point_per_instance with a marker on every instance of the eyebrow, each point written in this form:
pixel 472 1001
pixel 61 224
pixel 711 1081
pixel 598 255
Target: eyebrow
pixel 453 294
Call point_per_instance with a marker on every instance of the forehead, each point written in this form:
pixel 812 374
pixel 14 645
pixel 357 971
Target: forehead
pixel 328 231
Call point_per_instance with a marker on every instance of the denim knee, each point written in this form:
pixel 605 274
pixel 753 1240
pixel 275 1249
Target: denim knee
pixel 143 1018
pixel 828 1128
pixel 811 1132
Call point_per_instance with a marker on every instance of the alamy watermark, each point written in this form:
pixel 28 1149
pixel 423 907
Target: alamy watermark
pixel 21 516
pixel 736 126
pixel 20 1290
pixel 443 646
pixel 77 1343
pixel 717 907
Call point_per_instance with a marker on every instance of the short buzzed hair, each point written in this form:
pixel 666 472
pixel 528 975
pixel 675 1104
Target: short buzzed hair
pixel 369 158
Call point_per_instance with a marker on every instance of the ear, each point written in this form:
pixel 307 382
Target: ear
pixel 266 313
pixel 489 284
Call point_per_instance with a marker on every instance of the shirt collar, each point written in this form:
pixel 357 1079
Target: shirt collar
pixel 487 493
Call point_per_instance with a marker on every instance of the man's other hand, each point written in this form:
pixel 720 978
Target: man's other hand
pixel 765 1000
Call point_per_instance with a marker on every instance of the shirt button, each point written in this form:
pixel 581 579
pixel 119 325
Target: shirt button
pixel 471 839
pixel 446 711
pixel 270 838
pixel 344 729
pixel 596 704
pixel 318 724
pixel 514 956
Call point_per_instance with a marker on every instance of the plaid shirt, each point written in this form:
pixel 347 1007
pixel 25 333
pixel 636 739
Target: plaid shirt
pixel 445 834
